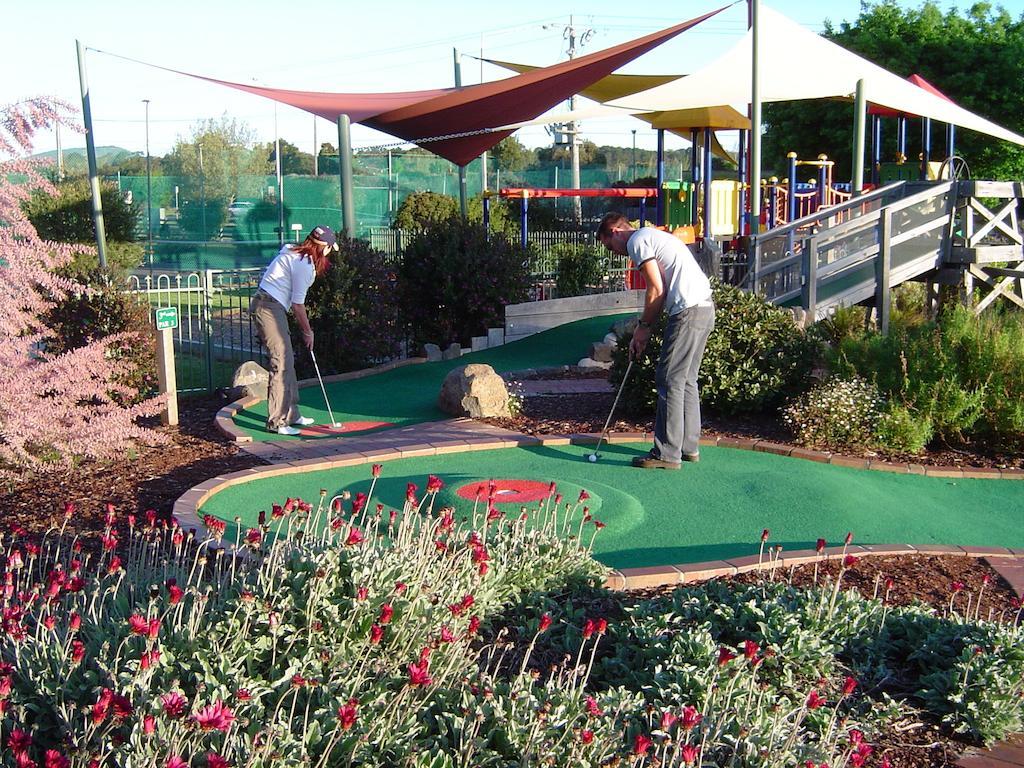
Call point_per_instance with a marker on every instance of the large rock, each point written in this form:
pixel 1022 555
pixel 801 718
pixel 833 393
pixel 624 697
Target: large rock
pixel 250 380
pixel 601 351
pixel 433 353
pixel 453 352
pixel 476 391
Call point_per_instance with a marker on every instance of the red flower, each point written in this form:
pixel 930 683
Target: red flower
pixel 688 753
pixel 591 706
pixel 213 760
pixel 667 720
pixel 355 536
pixel 856 737
pixel 820 546
pixel 588 629
pixel 849 538
pixel 375 470
pixel 434 484
pixel 587 736
pixel 849 561
pixel 242 694
pixel 362 593
pixel 641 744
pixel 77 651
pixel 347 714
pixel 138 624
pixel 55 759
pixel 174 761
pixel 958 586
pixel 474 625
pixel 214 717
pixel 358 503
pixel 148 725
pixel 386 612
pixel 690 718
pixel 750 649
pixel 849 686
pixel 602 626
pixel 598 524
pixel 410 494
pixel 109 542
pixel 467 601
pixel 583 497
pixel 153 631
pixel 174 594
pixel 725 656
pixel 253 537
pixel 19 741
pixel 419 674
pixel 815 700
pixel 446 635
pixel 764 535
pixel 545 622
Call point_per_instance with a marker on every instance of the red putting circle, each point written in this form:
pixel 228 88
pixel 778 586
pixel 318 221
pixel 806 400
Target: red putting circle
pixel 323 430
pixel 506 491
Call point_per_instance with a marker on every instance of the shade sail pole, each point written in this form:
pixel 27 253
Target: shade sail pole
pixel 90 152
pixel 755 121
pixel 463 203
pixel 348 205
pixel 860 111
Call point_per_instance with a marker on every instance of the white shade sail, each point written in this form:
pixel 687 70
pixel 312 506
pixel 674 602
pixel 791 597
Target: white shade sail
pixel 819 69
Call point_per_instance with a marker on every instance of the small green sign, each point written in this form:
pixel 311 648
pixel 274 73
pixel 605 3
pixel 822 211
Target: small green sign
pixel 166 318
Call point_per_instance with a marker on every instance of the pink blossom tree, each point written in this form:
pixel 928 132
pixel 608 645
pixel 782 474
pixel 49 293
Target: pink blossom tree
pixel 54 409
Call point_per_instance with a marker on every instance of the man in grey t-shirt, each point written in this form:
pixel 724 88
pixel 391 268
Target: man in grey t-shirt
pixel 675 284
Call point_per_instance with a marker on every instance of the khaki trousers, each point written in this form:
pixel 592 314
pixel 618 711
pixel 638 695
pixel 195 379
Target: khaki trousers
pixel 282 390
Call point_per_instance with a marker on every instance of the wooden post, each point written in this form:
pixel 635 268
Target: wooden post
pixel 882 267
pixel 165 375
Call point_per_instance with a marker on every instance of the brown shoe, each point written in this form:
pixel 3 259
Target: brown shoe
pixel 694 457
pixel 649 462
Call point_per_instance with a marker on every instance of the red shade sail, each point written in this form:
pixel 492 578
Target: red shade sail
pixel 416 116
pixel 920 82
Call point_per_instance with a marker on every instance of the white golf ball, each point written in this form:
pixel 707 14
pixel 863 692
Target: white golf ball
pixel 592 457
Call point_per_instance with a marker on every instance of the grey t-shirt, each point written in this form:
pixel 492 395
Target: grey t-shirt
pixel 685 284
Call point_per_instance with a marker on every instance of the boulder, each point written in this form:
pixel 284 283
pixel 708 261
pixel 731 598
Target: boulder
pixel 433 352
pixel 250 380
pixel 611 338
pixel 624 327
pixel 586 362
pixel 454 351
pixel 476 391
pixel 601 352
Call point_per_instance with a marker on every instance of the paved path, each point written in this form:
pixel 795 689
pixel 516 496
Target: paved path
pixel 1005 754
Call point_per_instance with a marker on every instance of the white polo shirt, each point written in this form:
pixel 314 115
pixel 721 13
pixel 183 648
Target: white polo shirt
pixel 288 277
pixel 685 284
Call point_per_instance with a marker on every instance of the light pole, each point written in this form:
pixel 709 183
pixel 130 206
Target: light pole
pixel 633 166
pixel 149 188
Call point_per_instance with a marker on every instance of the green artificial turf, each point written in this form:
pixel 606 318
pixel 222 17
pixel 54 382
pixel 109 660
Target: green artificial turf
pixel 408 395
pixel 712 510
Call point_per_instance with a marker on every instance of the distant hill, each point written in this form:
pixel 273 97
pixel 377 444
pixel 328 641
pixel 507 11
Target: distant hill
pixel 74 157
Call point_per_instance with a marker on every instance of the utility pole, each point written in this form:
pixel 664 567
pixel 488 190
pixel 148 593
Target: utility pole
pixel 149 188
pixel 574 148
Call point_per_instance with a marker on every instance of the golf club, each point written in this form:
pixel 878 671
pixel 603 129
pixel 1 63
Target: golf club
pixel 604 432
pixel 334 423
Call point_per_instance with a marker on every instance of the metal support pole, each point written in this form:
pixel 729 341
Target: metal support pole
pixel 487 213
pixel 348 207
pixel 316 151
pixel 773 200
pixel 822 180
pixel 280 181
pixel 883 298
pixel 659 207
pixel 950 140
pixel 741 178
pixel 707 184
pixel 901 139
pixel 755 118
pixel 149 189
pixel 791 181
pixel 463 203
pixel 643 211
pixel 860 112
pixel 90 151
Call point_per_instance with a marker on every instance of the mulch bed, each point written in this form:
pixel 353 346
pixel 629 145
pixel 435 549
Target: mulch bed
pixel 154 478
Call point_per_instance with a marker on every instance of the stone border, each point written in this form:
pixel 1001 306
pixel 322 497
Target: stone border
pixel 224 420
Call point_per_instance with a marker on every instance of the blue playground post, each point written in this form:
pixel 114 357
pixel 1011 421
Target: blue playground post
pixel 901 138
pixel 487 213
pixel 822 180
pixel 741 162
pixel 773 195
pixel 661 175
pixel 524 206
pixel 876 148
pixel 706 230
pixel 950 140
pixel 643 210
pixel 694 167
pixel 791 181
pixel 926 146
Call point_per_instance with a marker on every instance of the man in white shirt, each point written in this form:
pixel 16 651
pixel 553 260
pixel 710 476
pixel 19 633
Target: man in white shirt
pixel 675 284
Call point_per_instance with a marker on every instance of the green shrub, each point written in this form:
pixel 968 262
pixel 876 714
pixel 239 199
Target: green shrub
pixel 963 376
pixel 67 218
pixel 122 258
pixel 422 209
pixel 901 431
pixel 580 267
pixel 105 309
pixel 454 281
pixel 352 309
pixel 756 358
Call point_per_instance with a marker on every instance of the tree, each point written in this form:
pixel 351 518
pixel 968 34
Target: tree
pixel 293 160
pixel 54 408
pixel 511 155
pixel 213 166
pixel 974 57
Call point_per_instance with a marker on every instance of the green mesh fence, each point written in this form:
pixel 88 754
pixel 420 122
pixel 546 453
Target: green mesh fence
pixel 224 220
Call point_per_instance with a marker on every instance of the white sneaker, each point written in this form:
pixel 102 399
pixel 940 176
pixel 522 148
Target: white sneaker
pixel 286 430
pixel 303 421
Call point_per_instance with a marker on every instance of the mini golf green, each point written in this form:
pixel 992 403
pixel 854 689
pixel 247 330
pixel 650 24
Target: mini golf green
pixel 408 395
pixel 708 511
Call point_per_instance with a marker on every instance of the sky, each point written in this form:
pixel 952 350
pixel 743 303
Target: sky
pixel 340 46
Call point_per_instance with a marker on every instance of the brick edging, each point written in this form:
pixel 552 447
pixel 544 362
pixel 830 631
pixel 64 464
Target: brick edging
pixel 689 573
pixel 224 420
